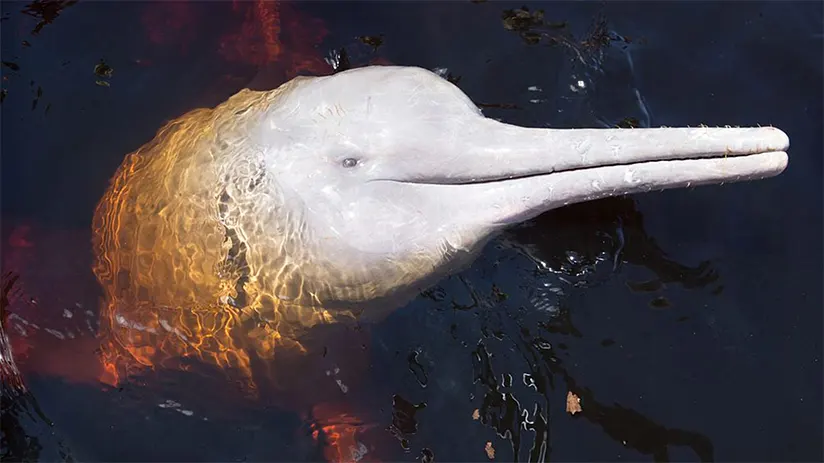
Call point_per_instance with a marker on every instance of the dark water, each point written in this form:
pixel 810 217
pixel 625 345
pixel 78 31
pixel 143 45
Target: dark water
pixel 688 322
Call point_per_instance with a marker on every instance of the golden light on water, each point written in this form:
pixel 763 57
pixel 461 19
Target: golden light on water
pixel 188 242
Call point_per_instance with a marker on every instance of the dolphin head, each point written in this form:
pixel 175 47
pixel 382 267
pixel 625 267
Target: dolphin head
pixel 332 196
pixel 399 175
pixel 348 189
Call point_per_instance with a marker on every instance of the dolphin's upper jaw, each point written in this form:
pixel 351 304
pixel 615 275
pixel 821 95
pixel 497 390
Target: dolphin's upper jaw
pixel 770 145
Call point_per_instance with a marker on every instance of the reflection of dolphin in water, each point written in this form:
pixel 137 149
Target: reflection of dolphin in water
pixel 327 199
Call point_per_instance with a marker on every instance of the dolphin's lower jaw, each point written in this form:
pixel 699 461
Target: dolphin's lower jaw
pixel 530 197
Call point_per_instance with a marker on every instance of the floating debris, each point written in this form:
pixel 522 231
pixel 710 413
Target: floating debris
pixel 533 28
pixel 498 294
pixel 490 451
pixel 521 19
pixel 46 11
pixel 525 23
pixel 476 415
pixel 11 65
pixel 103 71
pixel 573 403
pixel 374 41
pixel 3 94
pixel 628 123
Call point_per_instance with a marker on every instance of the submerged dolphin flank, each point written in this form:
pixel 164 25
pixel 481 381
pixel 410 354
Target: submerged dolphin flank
pixel 335 197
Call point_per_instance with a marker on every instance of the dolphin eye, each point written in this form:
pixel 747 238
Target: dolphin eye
pixel 349 162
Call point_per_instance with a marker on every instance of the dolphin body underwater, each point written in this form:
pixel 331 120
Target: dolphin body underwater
pixel 339 198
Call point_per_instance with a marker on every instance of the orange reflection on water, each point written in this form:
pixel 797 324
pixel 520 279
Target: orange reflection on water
pixel 189 242
pixel 164 261
pixel 340 430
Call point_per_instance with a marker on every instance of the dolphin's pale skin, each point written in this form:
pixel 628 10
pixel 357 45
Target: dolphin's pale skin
pixel 331 198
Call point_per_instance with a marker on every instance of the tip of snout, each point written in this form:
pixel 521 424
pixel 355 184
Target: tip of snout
pixel 726 141
pixel 774 145
pixel 775 163
pixel 772 139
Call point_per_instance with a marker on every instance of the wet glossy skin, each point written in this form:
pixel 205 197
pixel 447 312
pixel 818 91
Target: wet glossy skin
pixel 333 198
pixel 377 225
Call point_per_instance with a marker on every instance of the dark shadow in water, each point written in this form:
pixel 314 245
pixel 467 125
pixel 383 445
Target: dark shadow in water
pixel 589 231
pixel 622 424
pixel 601 235
pixel 501 411
pixel 26 433
pixel 608 226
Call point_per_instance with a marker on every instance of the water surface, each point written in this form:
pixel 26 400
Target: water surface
pixel 688 322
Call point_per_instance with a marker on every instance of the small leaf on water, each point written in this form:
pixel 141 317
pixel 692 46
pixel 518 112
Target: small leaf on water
pixel 374 41
pixel 102 69
pixel 490 451
pixel 573 403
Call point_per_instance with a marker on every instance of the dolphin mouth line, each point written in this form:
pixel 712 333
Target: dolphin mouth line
pixel 500 179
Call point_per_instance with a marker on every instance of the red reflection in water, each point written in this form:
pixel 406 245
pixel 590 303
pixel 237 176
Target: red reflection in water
pixel 53 324
pixel 258 33
pixel 257 41
pixel 170 24
pixel 52 318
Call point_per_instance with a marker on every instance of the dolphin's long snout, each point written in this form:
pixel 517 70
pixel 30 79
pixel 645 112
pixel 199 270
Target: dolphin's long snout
pixel 518 151
pixel 515 173
pixel 591 148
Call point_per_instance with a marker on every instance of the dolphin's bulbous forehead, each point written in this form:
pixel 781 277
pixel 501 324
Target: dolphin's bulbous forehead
pixel 378 95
